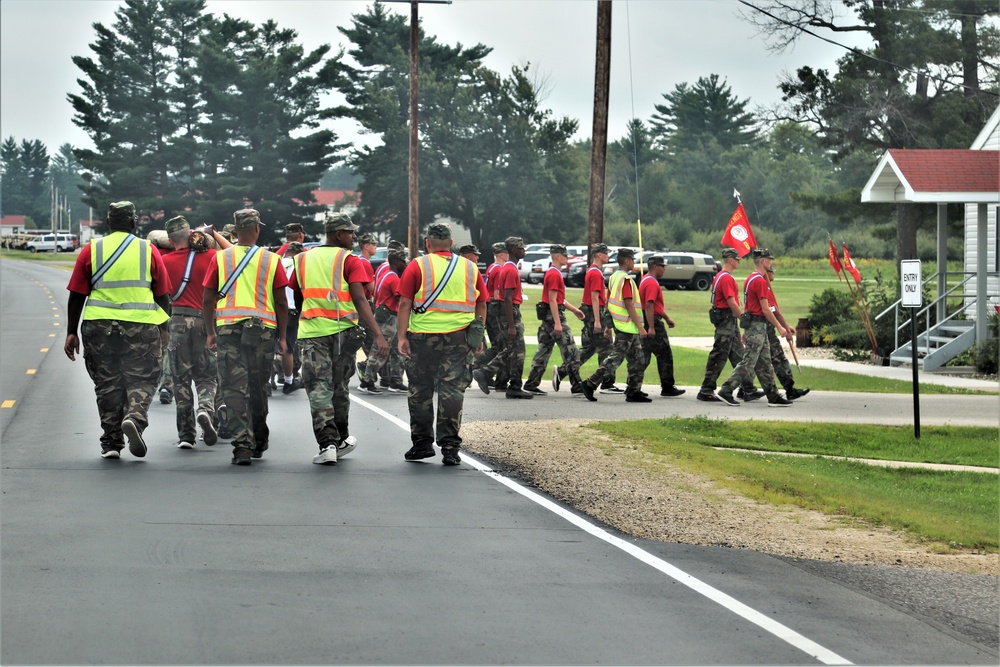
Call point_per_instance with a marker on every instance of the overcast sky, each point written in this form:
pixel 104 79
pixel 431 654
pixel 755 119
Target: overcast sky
pixel 656 44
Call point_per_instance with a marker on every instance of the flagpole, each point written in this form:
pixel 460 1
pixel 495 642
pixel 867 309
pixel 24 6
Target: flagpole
pixel 863 309
pixel 791 347
pixel 862 314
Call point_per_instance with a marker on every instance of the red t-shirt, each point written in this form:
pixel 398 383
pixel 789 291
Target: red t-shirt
pixel 553 280
pixel 354 272
pixel 594 282
pixel 649 290
pixel 79 280
pixel 388 291
pixel 281 251
pixel 176 262
pixel 510 278
pixel 366 264
pixel 211 282
pixel 490 279
pixel 380 271
pixel 756 288
pixel 723 288
pixel 409 283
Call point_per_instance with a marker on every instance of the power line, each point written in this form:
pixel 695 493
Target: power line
pixel 863 54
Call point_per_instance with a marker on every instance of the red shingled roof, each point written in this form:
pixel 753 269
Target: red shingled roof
pixel 331 197
pixel 948 170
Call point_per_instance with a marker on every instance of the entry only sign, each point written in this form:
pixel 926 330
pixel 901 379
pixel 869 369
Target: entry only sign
pixel 911 281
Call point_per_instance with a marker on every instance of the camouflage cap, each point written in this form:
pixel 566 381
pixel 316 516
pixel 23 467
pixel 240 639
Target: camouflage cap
pixel 396 245
pixel 121 212
pixel 499 247
pixel 246 218
pixel 396 253
pixel 294 248
pixel 439 230
pixel 599 247
pixel 229 229
pixel 466 249
pixel 625 253
pixel 762 253
pixel 730 253
pixel 656 260
pixel 294 228
pixel 177 224
pixel 558 248
pixel 365 239
pixel 338 222
pixel 513 242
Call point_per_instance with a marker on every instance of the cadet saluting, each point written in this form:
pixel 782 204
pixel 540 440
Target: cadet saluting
pixel 124 286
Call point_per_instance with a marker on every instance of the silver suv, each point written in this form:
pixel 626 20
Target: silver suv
pixel 689 270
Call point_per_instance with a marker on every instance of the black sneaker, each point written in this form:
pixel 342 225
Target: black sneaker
pixel 671 392
pixel 480 377
pixel 535 390
pixel 778 401
pixel 637 398
pixel 208 432
pixel 384 383
pixel 450 457
pixel 518 393
pixel 398 388
pixel 136 445
pixel 751 395
pixel 370 388
pixel 794 393
pixel 588 391
pixel 241 456
pixel 556 378
pixel 708 398
pixel 166 396
pixel 258 452
pixel 416 453
pixel 289 387
pixel 612 390
pixel 726 396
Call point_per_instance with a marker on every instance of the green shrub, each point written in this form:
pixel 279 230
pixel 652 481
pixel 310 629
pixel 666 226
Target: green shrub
pixel 987 357
pixel 830 307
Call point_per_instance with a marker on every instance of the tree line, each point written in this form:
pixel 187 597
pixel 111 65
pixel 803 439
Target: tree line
pixel 199 114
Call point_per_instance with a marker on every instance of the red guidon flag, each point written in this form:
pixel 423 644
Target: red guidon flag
pixel 850 266
pixel 738 233
pixel 835 261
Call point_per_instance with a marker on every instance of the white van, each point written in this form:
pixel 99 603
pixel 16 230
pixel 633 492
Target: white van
pixel 54 242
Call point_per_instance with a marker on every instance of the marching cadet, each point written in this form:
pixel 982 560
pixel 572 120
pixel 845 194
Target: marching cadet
pixel 554 330
pixel 442 309
pixel 727 345
pixel 120 287
pixel 756 354
pixel 782 369
pixel 293 234
pixel 190 359
pixel 629 334
pixel 657 343
pixel 329 285
pixel 494 315
pixel 245 308
pixel 387 318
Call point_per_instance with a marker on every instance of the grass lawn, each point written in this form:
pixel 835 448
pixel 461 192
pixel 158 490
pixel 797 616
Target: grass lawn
pixel 39 256
pixel 953 508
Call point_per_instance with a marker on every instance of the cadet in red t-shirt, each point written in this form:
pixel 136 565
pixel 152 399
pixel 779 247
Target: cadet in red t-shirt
pixel 657 343
pixel 494 315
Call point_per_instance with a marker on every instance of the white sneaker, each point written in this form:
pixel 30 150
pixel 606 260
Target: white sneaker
pixel 111 454
pixel 184 444
pixel 327 456
pixel 347 446
pixel 611 390
pixel 208 432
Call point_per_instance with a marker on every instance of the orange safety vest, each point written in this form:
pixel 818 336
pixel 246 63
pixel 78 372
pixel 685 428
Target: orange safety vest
pixel 251 295
pixel 455 306
pixel 327 306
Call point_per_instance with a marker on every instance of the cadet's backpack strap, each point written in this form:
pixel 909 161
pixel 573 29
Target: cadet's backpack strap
pixel 236 273
pixel 186 278
pixel 422 308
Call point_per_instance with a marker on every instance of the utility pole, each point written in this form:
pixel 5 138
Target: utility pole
pixel 599 141
pixel 413 233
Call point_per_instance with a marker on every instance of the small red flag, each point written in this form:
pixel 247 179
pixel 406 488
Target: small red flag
pixel 738 233
pixel 850 266
pixel 835 261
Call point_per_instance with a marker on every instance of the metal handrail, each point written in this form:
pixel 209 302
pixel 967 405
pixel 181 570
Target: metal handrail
pixel 926 309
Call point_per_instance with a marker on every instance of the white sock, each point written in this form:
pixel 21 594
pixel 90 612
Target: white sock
pixel 289 378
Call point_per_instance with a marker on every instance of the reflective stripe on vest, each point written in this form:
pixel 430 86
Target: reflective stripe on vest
pixel 327 306
pixel 251 295
pixel 122 290
pixel 616 304
pixel 455 306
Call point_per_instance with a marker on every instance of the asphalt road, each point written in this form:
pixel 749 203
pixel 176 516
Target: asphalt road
pixel 182 558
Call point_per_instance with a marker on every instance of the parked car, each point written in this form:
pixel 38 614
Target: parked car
pixel 524 266
pixel 689 270
pixel 54 243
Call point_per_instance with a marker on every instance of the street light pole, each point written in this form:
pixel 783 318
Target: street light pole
pixel 599 141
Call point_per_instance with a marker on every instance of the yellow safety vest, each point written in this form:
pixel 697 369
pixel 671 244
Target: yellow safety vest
pixel 455 306
pixel 122 290
pixel 616 304
pixel 327 306
pixel 251 295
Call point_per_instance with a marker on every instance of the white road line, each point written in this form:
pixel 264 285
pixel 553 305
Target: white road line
pixel 783 632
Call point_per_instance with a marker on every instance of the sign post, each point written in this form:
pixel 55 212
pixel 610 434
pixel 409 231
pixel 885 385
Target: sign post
pixel 912 298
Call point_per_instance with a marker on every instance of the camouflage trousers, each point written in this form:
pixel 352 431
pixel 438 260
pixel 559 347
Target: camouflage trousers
pixel 511 355
pixel 658 345
pixel 123 360
pixel 756 360
pixel 327 366
pixel 727 347
pixel 244 364
pixel 166 376
pixel 591 343
pixel 627 346
pixel 498 338
pixel 548 339
pixel 438 362
pixel 191 363
pixel 388 323
pixel 779 362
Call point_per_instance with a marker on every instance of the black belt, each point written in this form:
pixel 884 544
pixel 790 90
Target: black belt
pixel 186 312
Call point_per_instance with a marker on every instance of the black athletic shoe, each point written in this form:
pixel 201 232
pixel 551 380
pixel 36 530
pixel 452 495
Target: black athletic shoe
pixel 535 391
pixel 751 395
pixel 450 457
pixel 794 393
pixel 637 398
pixel 778 401
pixel 671 392
pixel 588 391
pixel 708 398
pixel 726 396
pixel 241 456
pixel 480 378
pixel 518 393
pixel 416 453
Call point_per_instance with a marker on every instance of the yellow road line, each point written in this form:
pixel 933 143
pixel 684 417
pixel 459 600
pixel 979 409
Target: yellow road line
pixel 31 371
pixel 7 404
